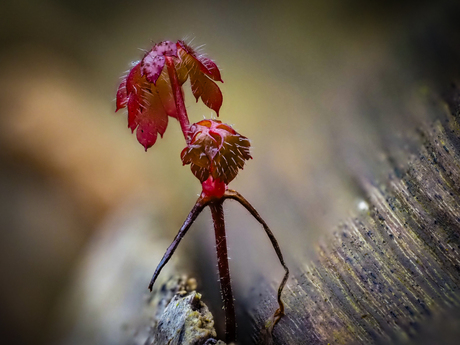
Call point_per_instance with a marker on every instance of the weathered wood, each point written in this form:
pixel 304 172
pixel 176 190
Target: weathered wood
pixel 383 276
pixel 109 302
pixel 185 321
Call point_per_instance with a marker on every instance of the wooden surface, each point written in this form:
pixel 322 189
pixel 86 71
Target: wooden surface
pixel 109 302
pixel 186 320
pixel 391 274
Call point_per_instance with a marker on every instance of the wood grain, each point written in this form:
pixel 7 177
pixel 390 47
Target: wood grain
pixel 387 275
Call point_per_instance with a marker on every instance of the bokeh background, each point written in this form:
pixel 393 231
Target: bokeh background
pixel 325 90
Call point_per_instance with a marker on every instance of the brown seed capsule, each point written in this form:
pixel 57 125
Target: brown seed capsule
pixel 216 150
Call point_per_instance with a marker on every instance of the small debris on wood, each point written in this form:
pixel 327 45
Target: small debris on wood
pixel 185 320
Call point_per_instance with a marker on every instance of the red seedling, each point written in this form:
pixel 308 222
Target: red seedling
pixel 152 92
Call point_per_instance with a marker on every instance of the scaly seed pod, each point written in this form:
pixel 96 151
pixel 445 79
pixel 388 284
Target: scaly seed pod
pixel 216 150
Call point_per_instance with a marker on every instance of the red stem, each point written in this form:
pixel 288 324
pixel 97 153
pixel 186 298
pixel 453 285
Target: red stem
pixel 224 271
pixel 196 210
pixel 178 97
pixel 232 194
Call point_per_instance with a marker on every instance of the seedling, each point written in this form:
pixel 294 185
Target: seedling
pixel 152 92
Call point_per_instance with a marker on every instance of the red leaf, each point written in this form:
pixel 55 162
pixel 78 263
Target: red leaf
pixel 133 110
pixel 151 122
pixel 154 112
pixel 133 89
pixel 201 70
pixel 154 61
pixel 208 90
pixel 146 134
pixel 182 66
pixel 134 85
pixel 211 69
pixel 122 95
pixel 151 119
pixel 145 108
pixel 134 79
pixel 165 92
pixel 152 65
pixel 205 64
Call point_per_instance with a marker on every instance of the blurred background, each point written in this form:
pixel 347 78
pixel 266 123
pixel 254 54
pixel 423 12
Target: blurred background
pixel 325 90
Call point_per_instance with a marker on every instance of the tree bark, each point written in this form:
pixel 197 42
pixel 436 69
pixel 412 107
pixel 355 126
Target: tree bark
pixel 390 275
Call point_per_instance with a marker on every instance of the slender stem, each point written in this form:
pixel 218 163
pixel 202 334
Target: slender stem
pixel 231 194
pixel 178 97
pixel 200 204
pixel 224 271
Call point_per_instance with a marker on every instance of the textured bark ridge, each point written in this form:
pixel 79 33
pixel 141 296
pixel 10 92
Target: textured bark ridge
pixel 389 275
